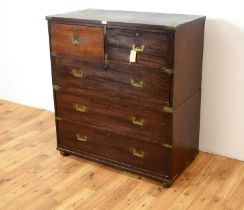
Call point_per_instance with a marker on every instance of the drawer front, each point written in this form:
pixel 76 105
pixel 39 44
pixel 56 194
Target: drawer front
pixel 74 40
pixel 153 49
pixel 123 117
pixel 119 81
pixel 124 149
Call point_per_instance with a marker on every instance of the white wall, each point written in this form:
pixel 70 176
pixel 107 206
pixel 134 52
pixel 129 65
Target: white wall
pixel 25 68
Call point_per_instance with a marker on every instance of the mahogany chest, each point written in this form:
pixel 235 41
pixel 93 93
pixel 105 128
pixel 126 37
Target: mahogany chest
pixel 127 88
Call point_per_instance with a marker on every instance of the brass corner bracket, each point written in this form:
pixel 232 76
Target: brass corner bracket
pixel 56 87
pixel 168 109
pixel 48 18
pixel 167 146
pixel 168 71
pixel 58 118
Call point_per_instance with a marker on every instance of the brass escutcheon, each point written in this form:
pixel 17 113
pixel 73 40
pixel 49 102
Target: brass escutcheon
pixel 76 40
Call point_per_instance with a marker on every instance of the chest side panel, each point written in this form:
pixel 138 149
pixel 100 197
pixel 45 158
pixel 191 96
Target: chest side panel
pixel 188 61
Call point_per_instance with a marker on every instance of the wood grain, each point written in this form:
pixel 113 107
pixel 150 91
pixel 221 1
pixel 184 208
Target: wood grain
pixel 186 126
pixel 117 18
pixel 122 56
pixel 114 147
pixel 124 39
pixel 108 81
pixel 136 103
pixel 33 175
pixel 91 41
pixel 188 54
pixel 117 117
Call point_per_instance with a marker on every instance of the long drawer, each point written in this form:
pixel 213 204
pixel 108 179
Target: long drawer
pixel 123 117
pixel 113 81
pixel 91 140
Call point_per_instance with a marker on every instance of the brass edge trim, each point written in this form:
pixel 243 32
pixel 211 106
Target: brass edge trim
pixel 167 145
pixel 58 118
pixel 105 29
pixel 48 18
pixel 172 27
pixel 168 109
pixel 105 57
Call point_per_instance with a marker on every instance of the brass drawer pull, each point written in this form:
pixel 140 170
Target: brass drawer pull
pixel 137 83
pixel 80 137
pixel 139 154
pixel 139 122
pixel 78 73
pixel 80 108
pixel 76 40
pixel 138 49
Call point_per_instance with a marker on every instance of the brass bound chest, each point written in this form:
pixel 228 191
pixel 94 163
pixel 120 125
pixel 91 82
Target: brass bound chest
pixel 127 88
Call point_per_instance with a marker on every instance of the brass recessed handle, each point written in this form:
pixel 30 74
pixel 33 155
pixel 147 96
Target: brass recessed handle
pixel 80 137
pixel 139 154
pixel 138 49
pixel 80 108
pixel 137 83
pixel 76 40
pixel 135 121
pixel 78 73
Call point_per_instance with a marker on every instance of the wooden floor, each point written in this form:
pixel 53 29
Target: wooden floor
pixel 33 175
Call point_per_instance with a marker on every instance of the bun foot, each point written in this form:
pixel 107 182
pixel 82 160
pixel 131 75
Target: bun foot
pixel 63 153
pixel 167 183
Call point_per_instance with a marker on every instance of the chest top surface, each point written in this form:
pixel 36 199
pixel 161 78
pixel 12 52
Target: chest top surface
pixel 129 17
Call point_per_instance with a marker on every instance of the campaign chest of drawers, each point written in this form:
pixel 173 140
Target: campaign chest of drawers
pixel 127 88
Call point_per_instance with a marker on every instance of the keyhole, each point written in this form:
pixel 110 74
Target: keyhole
pixel 75 29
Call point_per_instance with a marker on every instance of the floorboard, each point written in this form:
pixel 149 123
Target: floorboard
pixel 33 175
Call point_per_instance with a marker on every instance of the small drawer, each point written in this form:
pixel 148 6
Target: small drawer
pixel 153 49
pixel 75 40
pixel 143 85
pixel 119 148
pixel 119 116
